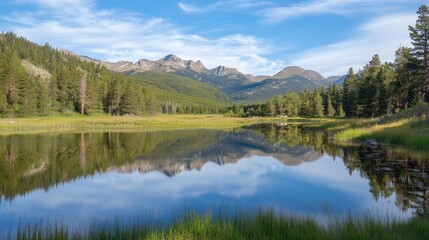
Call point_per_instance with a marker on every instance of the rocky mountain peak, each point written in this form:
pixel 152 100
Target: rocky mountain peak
pixel 219 71
pixel 224 71
pixel 171 58
pixel 197 66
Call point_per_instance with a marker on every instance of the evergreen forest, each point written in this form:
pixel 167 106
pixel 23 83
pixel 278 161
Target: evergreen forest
pixel 376 90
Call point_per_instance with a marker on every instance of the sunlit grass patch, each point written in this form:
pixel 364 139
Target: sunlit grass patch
pixel 398 133
pixel 157 122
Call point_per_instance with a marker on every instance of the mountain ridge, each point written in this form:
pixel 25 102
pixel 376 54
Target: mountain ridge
pixel 239 86
pixel 172 62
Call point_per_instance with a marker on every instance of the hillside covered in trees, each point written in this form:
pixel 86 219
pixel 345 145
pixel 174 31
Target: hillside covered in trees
pixel 376 90
pixel 40 80
pixel 177 94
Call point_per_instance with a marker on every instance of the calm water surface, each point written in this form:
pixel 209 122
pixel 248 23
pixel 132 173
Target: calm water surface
pixel 82 178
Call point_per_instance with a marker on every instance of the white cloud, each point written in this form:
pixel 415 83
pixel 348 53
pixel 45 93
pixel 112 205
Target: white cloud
pixel 113 36
pixel 340 7
pixel 226 5
pixel 381 36
pixel 190 8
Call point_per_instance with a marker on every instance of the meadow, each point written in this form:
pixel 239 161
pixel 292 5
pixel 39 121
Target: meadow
pixel 106 122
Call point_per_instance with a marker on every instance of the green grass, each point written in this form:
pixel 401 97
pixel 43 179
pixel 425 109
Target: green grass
pixel 261 224
pixel 408 128
pixel 409 133
pixel 141 123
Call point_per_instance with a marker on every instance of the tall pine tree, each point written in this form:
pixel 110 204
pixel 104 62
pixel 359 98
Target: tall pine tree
pixel 368 90
pixel 350 95
pixel 419 35
pixel 406 73
pixel 330 111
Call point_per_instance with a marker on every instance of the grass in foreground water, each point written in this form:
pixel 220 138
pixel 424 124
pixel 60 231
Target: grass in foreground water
pixel 263 224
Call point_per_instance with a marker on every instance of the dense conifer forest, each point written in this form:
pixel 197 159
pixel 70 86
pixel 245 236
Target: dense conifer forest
pixel 57 81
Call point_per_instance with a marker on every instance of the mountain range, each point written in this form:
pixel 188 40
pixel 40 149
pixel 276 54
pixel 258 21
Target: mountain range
pixel 63 81
pixel 238 86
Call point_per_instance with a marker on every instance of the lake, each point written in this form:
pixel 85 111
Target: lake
pixel 86 177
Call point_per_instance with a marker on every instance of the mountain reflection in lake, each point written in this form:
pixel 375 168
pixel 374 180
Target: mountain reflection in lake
pixel 86 177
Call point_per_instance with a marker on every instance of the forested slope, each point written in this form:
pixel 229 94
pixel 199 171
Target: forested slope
pixel 179 94
pixel 40 80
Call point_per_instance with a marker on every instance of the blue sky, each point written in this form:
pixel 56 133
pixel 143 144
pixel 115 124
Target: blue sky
pixel 257 37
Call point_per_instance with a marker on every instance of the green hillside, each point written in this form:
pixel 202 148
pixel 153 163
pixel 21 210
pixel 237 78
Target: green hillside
pixel 223 83
pixel 40 80
pixel 261 91
pixel 188 94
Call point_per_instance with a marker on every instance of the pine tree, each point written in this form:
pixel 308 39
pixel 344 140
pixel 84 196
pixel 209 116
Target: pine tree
pixel 406 73
pixel 270 108
pixel 337 98
pixel 341 112
pixel 82 91
pixel 350 94
pixel 384 82
pixel 68 88
pixel 130 101
pixel 151 105
pixel 27 94
pixel 3 93
pixel 317 103
pixel 43 101
pixel 20 92
pixel 280 105
pixel 115 97
pixel 369 91
pixel 10 82
pixel 330 111
pixel 291 104
pixel 419 35
pixel 306 99
pixel 53 91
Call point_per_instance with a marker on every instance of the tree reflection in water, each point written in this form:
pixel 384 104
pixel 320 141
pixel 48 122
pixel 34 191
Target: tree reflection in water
pixel 394 172
pixel 42 161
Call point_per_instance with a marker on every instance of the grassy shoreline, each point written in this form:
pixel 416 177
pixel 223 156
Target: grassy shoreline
pixel 104 122
pixel 129 123
pixel 261 224
pixel 412 134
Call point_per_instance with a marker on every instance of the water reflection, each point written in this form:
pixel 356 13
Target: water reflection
pixel 90 175
pixel 45 160
pixel 394 173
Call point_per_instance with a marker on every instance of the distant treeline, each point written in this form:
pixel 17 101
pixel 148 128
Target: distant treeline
pixel 378 89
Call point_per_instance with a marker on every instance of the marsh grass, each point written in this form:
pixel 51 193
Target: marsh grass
pixel 260 224
pixel 103 122
pixel 409 133
pixel 408 128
